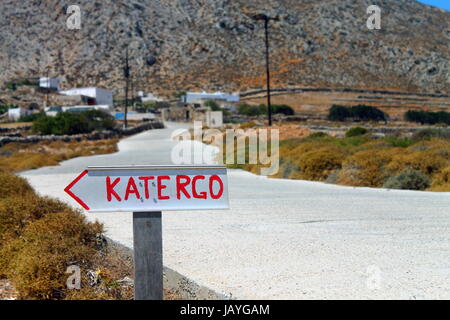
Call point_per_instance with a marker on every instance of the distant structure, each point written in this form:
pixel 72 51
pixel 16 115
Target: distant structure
pixel 96 96
pixel 148 97
pixel 191 112
pixel 191 97
pixel 49 83
pixel 14 114
pixel 53 111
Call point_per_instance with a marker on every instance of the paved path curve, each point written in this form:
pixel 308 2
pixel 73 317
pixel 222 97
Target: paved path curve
pixel 289 239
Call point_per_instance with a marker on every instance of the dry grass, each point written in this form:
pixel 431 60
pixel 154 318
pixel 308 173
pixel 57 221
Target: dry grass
pixel 16 157
pixel 41 237
pixel 359 161
pixel 13 125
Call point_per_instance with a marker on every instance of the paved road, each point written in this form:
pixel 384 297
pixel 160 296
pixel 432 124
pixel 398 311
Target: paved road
pixel 290 239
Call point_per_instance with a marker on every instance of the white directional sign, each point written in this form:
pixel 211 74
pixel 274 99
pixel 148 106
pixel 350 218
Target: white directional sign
pixel 150 188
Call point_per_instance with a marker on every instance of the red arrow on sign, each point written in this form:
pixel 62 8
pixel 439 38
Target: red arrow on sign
pixel 150 188
pixel 70 193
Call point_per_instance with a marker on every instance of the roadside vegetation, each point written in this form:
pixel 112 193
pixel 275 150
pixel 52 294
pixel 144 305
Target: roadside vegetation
pixel 356 113
pixel 17 156
pixel 418 162
pixel 256 110
pixel 65 123
pixel 425 117
pixel 40 237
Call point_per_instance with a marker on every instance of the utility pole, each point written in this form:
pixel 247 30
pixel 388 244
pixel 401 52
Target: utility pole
pixel 127 78
pixel 132 81
pixel 266 20
pixel 48 87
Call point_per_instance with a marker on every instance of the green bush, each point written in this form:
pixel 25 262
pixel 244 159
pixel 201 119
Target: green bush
pixel 402 142
pixel 31 117
pixel 367 113
pixel 359 112
pixel 282 109
pixel 355 132
pixel 5 107
pixel 318 135
pixel 408 179
pixel 251 110
pixel 426 117
pixel 213 105
pixel 427 134
pixel 339 113
pixel 73 123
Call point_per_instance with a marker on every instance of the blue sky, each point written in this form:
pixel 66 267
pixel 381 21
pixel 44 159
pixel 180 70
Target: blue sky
pixel 445 4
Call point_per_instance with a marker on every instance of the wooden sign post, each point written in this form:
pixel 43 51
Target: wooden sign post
pixel 146 191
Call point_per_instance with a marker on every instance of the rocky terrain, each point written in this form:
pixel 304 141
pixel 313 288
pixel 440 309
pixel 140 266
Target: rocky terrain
pixel 176 45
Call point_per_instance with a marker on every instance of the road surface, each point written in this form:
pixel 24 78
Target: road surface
pixel 287 239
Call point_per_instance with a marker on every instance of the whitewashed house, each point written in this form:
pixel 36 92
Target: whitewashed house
pixel 97 96
pixel 149 97
pixel 14 114
pixel 53 111
pixel 192 97
pixel 50 83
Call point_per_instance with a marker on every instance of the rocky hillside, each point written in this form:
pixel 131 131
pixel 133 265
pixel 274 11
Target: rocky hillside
pixel 177 45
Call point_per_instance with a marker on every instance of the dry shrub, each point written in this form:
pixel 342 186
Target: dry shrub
pixel 45 250
pixel 441 181
pixel 318 165
pixel 24 156
pixel 366 168
pixel 22 161
pixel 88 293
pixel 12 186
pixel 408 179
pixel 19 211
pixel 16 213
pixel 428 162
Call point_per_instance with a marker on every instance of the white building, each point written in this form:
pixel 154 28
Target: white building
pixel 192 97
pixel 149 97
pixel 53 111
pixel 99 96
pixel 51 83
pixel 14 114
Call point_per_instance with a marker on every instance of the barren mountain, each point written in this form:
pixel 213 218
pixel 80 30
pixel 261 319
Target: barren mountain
pixel 177 45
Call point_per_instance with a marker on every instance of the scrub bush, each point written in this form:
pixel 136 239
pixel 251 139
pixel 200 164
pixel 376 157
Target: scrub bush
pixel 427 134
pixel 356 131
pixel 339 113
pixel 428 162
pixel 408 179
pixel 441 181
pixel 319 164
pixel 45 250
pixel 359 113
pixel 73 123
pixel 366 168
pixel 11 185
pixel 18 212
pixel 426 117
